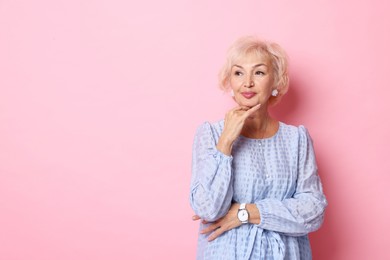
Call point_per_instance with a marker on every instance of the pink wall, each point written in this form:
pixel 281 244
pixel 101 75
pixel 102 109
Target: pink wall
pixel 100 99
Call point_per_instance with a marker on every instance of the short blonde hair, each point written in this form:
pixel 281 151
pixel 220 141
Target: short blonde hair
pixel 251 45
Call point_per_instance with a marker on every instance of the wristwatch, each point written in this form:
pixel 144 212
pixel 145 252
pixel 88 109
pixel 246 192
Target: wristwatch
pixel 243 214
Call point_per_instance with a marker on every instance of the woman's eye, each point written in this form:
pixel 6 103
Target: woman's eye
pixel 259 73
pixel 238 73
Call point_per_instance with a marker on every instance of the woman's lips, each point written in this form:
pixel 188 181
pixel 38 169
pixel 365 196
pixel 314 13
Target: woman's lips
pixel 248 95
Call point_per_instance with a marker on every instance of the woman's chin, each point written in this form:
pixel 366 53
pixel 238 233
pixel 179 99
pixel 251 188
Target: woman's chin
pixel 248 103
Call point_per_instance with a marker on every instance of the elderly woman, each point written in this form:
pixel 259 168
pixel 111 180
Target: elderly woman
pixel 254 182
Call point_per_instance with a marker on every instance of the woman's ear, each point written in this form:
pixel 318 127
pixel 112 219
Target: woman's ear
pixel 232 94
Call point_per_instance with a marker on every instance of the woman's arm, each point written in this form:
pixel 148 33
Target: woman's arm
pixel 296 216
pixel 304 212
pixel 229 221
pixel 211 186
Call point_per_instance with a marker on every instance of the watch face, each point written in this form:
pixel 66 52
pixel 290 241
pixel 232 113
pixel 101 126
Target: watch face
pixel 243 215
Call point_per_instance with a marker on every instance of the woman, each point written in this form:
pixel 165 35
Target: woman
pixel 254 180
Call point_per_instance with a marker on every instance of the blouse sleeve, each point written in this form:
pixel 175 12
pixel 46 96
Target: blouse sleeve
pixel 304 212
pixel 211 182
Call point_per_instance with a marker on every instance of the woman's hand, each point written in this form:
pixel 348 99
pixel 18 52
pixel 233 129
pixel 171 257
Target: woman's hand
pixel 234 122
pixel 229 221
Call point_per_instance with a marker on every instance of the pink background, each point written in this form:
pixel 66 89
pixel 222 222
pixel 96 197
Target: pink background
pixel 100 100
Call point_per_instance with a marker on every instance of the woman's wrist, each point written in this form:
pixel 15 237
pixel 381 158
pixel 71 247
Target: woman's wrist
pixel 254 213
pixel 224 146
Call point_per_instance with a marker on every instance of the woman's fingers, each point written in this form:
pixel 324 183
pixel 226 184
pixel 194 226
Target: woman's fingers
pixel 215 234
pixel 244 110
pixel 216 230
pixel 196 217
pixel 227 222
pixel 252 110
pixel 234 121
pixel 211 228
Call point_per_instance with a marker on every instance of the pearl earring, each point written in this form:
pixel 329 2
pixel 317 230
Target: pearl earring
pixel 275 92
pixel 232 93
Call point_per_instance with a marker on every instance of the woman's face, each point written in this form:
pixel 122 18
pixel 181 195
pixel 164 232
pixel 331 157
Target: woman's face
pixel 252 80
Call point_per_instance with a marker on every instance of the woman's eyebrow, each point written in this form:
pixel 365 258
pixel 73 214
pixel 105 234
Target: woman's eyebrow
pixel 254 66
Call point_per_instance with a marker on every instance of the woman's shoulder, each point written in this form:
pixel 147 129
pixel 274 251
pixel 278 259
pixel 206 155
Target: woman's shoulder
pixel 293 130
pixel 214 128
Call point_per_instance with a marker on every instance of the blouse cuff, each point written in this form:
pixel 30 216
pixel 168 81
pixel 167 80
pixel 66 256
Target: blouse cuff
pixel 263 208
pixel 220 156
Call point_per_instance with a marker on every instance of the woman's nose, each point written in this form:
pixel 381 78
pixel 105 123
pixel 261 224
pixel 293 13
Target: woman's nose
pixel 249 82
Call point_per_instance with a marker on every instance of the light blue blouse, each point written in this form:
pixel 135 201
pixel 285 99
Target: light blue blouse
pixel 278 174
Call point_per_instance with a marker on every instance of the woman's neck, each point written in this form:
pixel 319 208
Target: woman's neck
pixel 258 125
